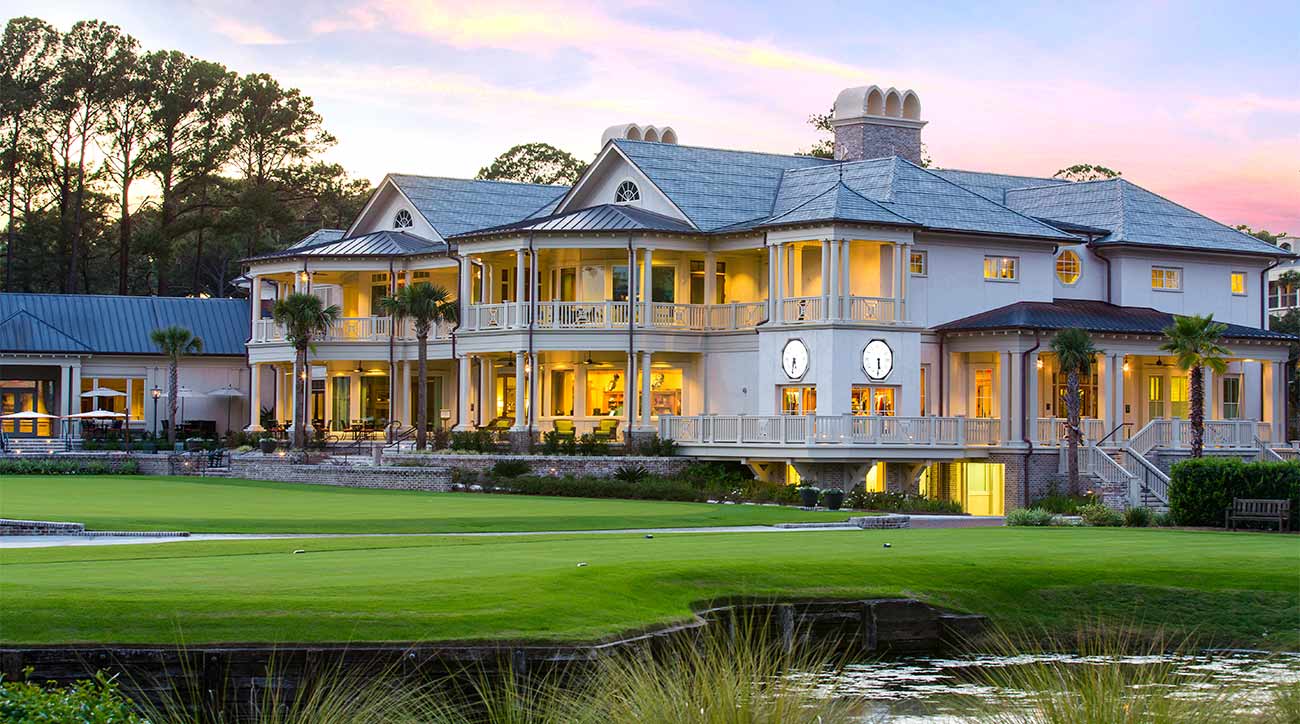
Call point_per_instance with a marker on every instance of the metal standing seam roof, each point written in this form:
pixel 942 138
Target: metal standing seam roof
pixel 110 324
pixel 455 206
pixel 1090 315
pixel 606 217
pixel 386 242
pixel 1134 215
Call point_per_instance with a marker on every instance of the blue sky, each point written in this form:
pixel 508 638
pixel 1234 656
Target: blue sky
pixel 1197 101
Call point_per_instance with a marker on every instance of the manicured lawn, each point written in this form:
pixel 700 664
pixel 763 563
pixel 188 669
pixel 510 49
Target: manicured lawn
pixel 214 505
pixel 1223 588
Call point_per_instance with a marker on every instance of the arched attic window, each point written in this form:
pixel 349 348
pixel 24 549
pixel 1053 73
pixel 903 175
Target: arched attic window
pixel 627 192
pixel 402 219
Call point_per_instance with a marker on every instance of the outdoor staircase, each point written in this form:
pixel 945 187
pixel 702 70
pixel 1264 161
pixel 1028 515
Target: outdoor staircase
pixel 33 445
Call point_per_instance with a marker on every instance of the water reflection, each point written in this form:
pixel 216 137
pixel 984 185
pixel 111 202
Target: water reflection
pixel 932 690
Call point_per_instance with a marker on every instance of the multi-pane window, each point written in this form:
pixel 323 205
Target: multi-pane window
pixel 873 400
pixel 1166 278
pixel 1232 398
pixel 626 192
pixel 1178 397
pixel 918 264
pixel 1238 282
pixel 1087 393
pixel 402 219
pixel 984 392
pixel 719 283
pixel 1001 268
pixel 1068 267
pixel 799 400
pixel 619 275
pixel 925 377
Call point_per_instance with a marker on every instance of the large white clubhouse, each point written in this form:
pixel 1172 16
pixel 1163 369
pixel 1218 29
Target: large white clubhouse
pixel 852 320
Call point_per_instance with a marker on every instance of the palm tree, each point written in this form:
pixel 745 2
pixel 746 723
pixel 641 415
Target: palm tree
pixel 426 305
pixel 1074 353
pixel 304 317
pixel 1194 342
pixel 174 342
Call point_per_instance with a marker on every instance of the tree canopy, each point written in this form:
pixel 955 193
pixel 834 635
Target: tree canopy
pixel 534 163
pixel 1086 172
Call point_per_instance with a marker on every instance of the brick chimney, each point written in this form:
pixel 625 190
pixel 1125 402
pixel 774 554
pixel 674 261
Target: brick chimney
pixel 874 123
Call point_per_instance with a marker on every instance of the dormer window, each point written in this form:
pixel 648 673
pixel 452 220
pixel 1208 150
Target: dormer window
pixel 626 193
pixel 402 219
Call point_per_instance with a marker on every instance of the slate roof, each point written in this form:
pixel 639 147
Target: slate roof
pixel 107 324
pixel 1093 316
pixel 836 203
pixel 1133 215
pixel 318 236
pixel 993 186
pixel 606 217
pixel 385 242
pixel 454 206
pixel 902 190
pixel 713 187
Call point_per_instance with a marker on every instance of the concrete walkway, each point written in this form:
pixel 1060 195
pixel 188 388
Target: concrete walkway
pixel 52 541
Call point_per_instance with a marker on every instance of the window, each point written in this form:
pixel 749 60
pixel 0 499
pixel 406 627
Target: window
pixel 984 392
pixel 873 400
pixel 1001 268
pixel 1232 398
pixel 1166 278
pixel 627 192
pixel 402 219
pixel 663 284
pixel 1068 267
pixel 719 283
pixel 1178 397
pixel 620 283
pixel 925 377
pixel 1087 393
pixel 918 264
pixel 798 400
pixel 605 393
pixel 1238 281
pixel 562 393
pixel 1155 397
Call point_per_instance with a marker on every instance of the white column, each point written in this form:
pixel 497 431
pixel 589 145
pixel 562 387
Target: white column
pixel 1031 392
pixel 486 383
pixel 836 309
pixel 647 281
pixel 534 285
pixel 646 407
pixel 407 412
pixel 1004 395
pixel 772 270
pixel 629 390
pixel 900 273
pixel 463 294
pixel 255 304
pixel 519 287
pixel 520 381
pixel 778 289
pixel 485 283
pixel 1277 388
pixel 65 386
pixel 580 391
pixel 1208 376
pixel 463 367
pixel 710 278
pixel 825 291
pixel 534 388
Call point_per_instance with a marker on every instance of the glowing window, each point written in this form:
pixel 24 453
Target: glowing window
pixel 1239 283
pixel 402 219
pixel 626 192
pixel 917 263
pixel 984 393
pixel 1166 278
pixel 1001 268
pixel 1068 267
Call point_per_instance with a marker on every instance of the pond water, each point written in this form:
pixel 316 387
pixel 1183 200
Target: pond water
pixel 935 690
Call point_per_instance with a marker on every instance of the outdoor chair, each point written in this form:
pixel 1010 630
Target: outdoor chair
pixel 500 424
pixel 565 430
pixel 606 429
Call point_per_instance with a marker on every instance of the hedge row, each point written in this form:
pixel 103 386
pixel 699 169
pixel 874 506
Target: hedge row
pixel 1200 490
pixel 46 466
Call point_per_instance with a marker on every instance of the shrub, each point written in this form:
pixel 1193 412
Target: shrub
pixel 656 447
pixel 474 441
pixel 507 469
pixel 651 488
pixel 590 445
pixel 1061 504
pixel 1137 517
pixel 440 438
pixel 1030 517
pixel 631 473
pixel 19 466
pixel 860 499
pixel 1162 520
pixel 1100 515
pixel 90 701
pixel 553 444
pixel 1201 489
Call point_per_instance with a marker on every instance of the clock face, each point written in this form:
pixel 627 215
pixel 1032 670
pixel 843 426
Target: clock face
pixel 794 359
pixel 877 360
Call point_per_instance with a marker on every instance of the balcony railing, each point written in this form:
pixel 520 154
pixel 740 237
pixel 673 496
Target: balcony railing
pixel 352 329
pixel 803 310
pixel 614 315
pixel 828 430
pixel 1052 431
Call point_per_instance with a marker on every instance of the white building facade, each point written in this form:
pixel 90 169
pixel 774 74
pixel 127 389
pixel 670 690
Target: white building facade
pixel 860 320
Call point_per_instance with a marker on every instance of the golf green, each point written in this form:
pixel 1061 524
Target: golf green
pixel 1221 588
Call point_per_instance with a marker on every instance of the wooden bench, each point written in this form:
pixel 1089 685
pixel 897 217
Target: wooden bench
pixel 1258 509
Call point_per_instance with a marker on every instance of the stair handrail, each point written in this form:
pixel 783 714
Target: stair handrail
pixel 1268 451
pixel 1149 469
pixel 1114 430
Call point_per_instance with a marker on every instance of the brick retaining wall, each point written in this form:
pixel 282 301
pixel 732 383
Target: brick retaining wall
pixel 11 526
pixel 149 464
pixel 595 466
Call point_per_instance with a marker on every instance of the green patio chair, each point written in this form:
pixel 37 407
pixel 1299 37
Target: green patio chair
pixel 565 430
pixel 500 424
pixel 606 429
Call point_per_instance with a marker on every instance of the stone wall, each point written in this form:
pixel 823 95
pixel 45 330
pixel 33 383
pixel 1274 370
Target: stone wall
pixel 10 526
pixel 149 464
pixel 596 466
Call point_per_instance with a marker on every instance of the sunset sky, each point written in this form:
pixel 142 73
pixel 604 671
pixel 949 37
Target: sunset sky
pixel 1199 102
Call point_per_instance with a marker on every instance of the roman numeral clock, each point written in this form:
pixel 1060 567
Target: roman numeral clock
pixel 794 359
pixel 877 360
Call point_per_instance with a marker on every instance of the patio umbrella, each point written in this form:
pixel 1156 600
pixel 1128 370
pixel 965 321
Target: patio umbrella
pixel 97 415
pixel 28 415
pixel 103 392
pixel 230 393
